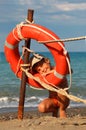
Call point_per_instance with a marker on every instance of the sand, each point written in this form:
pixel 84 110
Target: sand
pixel 33 120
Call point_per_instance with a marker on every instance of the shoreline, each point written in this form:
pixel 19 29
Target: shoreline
pixel 12 113
pixel 34 120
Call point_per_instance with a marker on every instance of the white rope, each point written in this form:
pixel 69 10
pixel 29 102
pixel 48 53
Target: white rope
pixel 18 65
pixel 29 50
pixel 15 36
pixel 64 40
pixel 19 26
pixel 65 52
pixel 21 57
pixel 49 87
pixel 27 21
pixel 70 72
pixel 55 40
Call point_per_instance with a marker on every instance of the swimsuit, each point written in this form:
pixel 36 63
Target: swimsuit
pixel 55 101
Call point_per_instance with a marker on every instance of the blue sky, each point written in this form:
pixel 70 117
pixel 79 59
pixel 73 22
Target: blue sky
pixel 67 18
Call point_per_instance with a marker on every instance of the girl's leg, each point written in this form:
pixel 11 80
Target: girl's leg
pixel 48 105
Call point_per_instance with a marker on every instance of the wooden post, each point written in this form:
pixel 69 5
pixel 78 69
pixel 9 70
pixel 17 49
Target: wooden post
pixel 24 77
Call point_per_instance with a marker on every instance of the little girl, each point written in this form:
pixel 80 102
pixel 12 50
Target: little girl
pixel 55 101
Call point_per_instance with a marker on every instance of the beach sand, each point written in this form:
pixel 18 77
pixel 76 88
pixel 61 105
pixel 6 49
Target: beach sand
pixel 33 120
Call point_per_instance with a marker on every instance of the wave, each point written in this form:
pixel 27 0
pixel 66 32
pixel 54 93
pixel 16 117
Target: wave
pixel 14 101
pixel 30 102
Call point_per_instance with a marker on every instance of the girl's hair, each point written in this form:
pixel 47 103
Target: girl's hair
pixel 40 63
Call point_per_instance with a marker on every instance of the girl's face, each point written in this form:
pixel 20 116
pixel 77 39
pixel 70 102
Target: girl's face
pixel 45 68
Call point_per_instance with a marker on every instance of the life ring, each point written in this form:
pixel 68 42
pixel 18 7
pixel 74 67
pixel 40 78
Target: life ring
pixel 38 33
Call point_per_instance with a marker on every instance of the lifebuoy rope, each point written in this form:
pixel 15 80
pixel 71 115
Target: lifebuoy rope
pixel 47 86
pixel 65 40
pixel 27 21
pixel 55 89
pixel 19 26
pixel 35 54
pixel 49 41
pixel 21 57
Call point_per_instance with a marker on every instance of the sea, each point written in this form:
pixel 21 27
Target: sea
pixel 10 84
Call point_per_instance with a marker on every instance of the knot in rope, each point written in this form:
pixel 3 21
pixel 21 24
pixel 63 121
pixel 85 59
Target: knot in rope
pixel 29 22
pixel 25 48
pixel 19 26
pixel 31 51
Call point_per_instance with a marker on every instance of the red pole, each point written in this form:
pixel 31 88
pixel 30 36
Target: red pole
pixel 24 77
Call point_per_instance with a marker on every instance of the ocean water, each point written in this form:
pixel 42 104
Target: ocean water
pixel 10 84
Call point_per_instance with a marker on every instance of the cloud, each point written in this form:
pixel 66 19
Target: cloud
pixel 71 6
pixel 55 4
pixel 64 10
pixel 65 17
pixel 16 10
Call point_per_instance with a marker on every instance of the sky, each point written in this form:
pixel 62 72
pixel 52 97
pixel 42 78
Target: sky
pixel 66 18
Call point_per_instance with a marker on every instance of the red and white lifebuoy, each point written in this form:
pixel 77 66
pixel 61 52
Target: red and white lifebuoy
pixel 38 33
